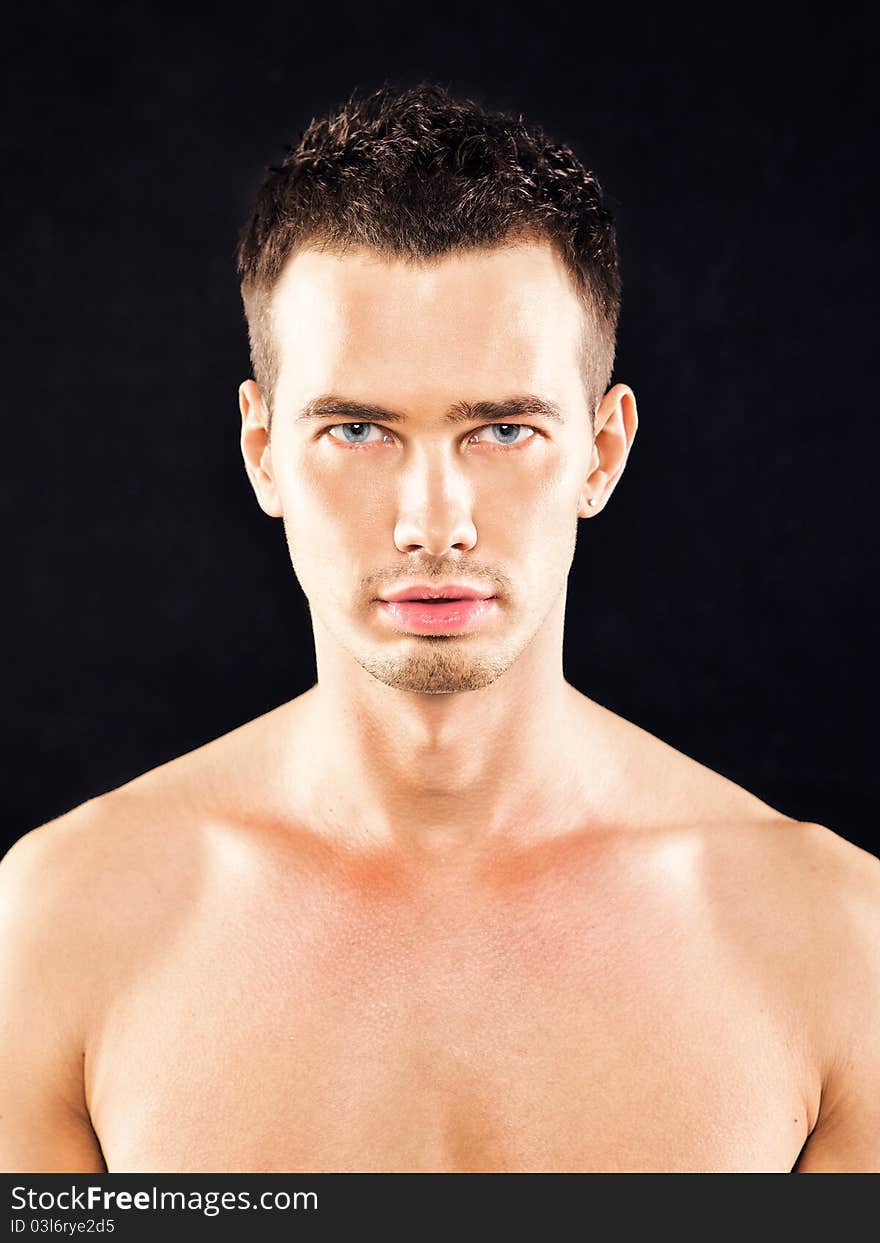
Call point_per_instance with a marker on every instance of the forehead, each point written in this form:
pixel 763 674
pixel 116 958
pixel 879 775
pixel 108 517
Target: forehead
pixel 504 319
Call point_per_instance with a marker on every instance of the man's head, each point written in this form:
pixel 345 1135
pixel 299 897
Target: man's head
pixel 417 175
pixel 429 366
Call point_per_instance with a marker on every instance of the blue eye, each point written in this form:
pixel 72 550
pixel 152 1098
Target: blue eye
pixel 358 430
pixel 359 433
pixel 507 429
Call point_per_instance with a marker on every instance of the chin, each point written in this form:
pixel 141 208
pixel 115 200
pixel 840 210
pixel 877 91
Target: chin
pixel 436 666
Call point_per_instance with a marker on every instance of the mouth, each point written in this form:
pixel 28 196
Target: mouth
pixel 437 615
pixel 425 593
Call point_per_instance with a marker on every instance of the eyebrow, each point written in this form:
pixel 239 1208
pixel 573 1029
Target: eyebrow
pixel 460 412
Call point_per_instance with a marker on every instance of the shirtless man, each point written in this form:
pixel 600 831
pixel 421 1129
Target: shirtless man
pixel 442 912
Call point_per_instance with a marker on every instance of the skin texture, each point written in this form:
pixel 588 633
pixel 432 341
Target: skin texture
pixel 442 911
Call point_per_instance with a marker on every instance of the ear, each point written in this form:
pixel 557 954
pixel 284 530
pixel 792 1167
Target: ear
pixel 255 447
pixel 616 423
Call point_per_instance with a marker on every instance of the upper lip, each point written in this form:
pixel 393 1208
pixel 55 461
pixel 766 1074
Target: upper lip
pixel 448 591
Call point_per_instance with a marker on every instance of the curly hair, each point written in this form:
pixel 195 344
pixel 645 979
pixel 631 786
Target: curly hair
pixel 418 174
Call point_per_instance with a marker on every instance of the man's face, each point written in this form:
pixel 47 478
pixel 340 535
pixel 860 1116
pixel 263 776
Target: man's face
pixel 371 504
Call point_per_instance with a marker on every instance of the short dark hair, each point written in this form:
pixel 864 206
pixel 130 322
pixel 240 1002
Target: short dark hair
pixel 419 174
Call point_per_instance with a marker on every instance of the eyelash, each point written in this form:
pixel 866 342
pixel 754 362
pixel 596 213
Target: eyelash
pixel 371 444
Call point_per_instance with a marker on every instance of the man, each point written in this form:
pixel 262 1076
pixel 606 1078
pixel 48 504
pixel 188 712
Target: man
pixel 442 912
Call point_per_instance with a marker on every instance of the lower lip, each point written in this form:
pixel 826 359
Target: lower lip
pixel 440 617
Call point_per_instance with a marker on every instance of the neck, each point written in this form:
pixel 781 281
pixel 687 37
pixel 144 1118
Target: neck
pixel 446 775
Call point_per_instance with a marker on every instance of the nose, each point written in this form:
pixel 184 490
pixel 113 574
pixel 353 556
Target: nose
pixel 435 506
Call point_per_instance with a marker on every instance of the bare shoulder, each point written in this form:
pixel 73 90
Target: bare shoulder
pixel 38 876
pixel 842 884
pixel 805 875
pixel 841 871
pixel 92 884
pixel 105 874
pixel 83 897
pixel 801 888
pixel 95 846
pixel 801 905
pixel 830 889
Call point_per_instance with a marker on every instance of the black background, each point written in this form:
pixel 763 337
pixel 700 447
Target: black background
pixel 720 601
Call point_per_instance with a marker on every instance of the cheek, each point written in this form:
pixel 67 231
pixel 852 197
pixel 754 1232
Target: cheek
pixel 334 518
pixel 529 507
pixel 543 526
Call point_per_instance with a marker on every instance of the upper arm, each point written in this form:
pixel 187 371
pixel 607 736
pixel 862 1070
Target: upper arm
pixel 846 1137
pixel 44 1121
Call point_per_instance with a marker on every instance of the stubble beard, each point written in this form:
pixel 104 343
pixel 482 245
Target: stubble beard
pixel 438 664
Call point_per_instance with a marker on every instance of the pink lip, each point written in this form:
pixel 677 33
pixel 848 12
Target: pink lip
pixel 440 617
pixel 448 591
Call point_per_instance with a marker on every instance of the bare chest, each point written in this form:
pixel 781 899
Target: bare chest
pixel 327 1040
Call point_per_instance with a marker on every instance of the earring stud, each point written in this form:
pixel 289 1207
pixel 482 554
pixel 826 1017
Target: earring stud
pixel 590 500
